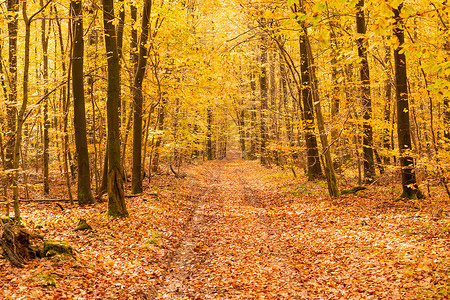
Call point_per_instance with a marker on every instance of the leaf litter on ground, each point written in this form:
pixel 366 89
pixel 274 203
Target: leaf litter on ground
pixel 236 230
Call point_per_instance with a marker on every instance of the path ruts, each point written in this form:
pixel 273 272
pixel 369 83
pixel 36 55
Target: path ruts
pixel 228 251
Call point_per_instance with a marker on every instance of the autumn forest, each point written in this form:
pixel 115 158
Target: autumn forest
pixel 236 149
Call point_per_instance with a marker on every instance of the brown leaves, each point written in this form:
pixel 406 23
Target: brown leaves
pixel 239 231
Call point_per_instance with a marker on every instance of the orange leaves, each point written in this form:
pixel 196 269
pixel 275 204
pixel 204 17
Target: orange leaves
pixel 235 230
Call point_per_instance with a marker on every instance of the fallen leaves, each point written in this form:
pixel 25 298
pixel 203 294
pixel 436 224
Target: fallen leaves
pixel 232 230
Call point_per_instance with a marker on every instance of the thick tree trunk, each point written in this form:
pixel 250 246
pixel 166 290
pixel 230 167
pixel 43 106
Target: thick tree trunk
pixel 409 184
pixel 116 198
pixel 369 164
pixel 79 118
pixel 136 178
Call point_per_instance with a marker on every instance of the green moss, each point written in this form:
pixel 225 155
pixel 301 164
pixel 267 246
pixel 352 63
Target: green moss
pixel 54 247
pixel 155 237
pixel 44 279
pixel 7 220
pixel 353 190
pixel 83 225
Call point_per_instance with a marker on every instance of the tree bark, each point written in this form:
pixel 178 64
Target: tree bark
pixel 136 177
pixel 116 199
pixel 387 108
pixel 65 104
pixel 329 168
pixel 252 133
pixel 263 87
pixel 369 164
pixel 160 121
pixel 11 110
pixel 313 160
pixel 209 120
pixel 409 184
pixel 45 150
pixel 79 119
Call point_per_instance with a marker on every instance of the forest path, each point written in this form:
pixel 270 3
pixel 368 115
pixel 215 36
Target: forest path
pixel 259 233
pixel 229 251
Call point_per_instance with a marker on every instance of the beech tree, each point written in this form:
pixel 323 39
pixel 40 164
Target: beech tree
pixel 369 165
pixel 136 179
pixel 409 183
pixel 79 117
pixel 116 197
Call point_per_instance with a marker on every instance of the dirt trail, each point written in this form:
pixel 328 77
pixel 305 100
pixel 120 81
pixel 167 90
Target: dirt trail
pixel 255 234
pixel 228 251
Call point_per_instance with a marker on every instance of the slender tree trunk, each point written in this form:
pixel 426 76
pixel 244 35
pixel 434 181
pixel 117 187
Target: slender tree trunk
pixel 136 178
pixel 161 117
pixel 209 120
pixel 44 40
pixel 65 103
pixel 134 61
pixel 116 197
pixel 79 118
pixel 329 168
pixel 387 108
pixel 313 160
pixel 445 31
pixel 409 184
pixel 252 132
pixel 263 87
pixel 11 110
pixel 21 114
pixel 369 164
pixel 2 74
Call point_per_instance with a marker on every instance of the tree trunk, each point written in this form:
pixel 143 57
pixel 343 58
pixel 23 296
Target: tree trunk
pixel 11 110
pixel 313 160
pixel 329 168
pixel 369 164
pixel 161 116
pixel 263 86
pixel 252 133
pixel 79 118
pixel 136 178
pixel 134 60
pixel 209 120
pixel 65 104
pixel 44 40
pixel 387 108
pixel 116 198
pixel 409 184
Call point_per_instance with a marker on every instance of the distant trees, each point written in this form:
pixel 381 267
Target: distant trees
pixel 303 85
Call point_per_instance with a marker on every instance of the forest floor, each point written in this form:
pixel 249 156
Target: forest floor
pixel 236 230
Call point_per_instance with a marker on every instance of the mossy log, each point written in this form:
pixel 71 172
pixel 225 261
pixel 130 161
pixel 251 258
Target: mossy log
pixel 353 190
pixel 54 247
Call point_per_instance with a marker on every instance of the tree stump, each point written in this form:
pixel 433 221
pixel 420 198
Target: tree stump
pixel 15 241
